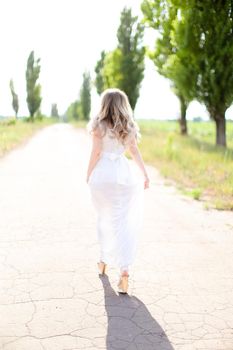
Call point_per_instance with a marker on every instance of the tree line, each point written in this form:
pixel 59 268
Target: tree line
pixel 194 50
pixel 81 107
pixel 122 68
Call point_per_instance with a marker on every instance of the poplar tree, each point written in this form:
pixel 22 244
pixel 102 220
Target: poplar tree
pixel 54 111
pixel 209 24
pixel 171 61
pixel 73 111
pixel 99 80
pixel 33 88
pixel 124 66
pixel 195 51
pixel 15 99
pixel 130 43
pixel 85 96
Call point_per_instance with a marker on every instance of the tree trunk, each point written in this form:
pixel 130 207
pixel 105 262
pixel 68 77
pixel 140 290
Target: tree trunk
pixel 220 122
pixel 31 118
pixel 182 120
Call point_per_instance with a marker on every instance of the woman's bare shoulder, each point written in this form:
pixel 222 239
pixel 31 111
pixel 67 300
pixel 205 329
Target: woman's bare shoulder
pixel 97 133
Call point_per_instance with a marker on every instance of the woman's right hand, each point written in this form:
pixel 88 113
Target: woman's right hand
pixel 146 182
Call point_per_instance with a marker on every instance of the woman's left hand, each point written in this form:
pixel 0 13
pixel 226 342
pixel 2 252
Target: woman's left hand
pixel 146 182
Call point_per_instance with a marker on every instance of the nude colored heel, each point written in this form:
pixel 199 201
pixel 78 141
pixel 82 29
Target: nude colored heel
pixel 123 284
pixel 102 267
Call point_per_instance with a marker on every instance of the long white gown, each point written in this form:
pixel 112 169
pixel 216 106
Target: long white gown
pixel 117 193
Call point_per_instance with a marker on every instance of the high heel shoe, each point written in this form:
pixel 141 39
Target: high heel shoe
pixel 102 267
pixel 123 284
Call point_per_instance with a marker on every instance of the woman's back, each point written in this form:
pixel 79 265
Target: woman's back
pixel 113 166
pixel 111 144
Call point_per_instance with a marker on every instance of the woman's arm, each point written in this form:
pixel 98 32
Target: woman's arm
pixel 95 152
pixel 136 155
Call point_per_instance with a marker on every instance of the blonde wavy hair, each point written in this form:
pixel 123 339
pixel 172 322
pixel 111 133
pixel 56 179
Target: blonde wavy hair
pixel 116 115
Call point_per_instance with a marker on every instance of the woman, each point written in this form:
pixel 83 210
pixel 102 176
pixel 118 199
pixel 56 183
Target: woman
pixel 116 190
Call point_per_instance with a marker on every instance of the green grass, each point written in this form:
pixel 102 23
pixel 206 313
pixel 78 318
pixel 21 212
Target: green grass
pixel 79 123
pixel 200 169
pixel 14 132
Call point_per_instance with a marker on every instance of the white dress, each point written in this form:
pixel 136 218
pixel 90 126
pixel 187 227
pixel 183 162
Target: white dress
pixel 117 192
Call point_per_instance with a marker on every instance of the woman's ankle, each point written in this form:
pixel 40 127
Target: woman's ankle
pixel 124 272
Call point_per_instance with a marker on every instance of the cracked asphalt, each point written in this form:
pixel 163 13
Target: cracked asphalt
pixel 51 296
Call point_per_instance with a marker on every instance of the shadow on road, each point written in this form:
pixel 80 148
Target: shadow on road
pixel 130 324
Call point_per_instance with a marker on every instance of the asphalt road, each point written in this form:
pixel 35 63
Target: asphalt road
pixel 51 296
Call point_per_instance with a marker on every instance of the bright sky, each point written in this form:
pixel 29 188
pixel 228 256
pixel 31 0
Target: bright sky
pixel 68 36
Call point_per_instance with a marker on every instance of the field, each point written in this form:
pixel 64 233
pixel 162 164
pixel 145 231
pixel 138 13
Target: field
pixel 14 132
pixel 199 168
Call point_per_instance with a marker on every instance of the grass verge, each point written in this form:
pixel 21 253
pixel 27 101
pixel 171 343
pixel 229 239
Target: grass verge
pixel 79 123
pixel 200 169
pixel 14 132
